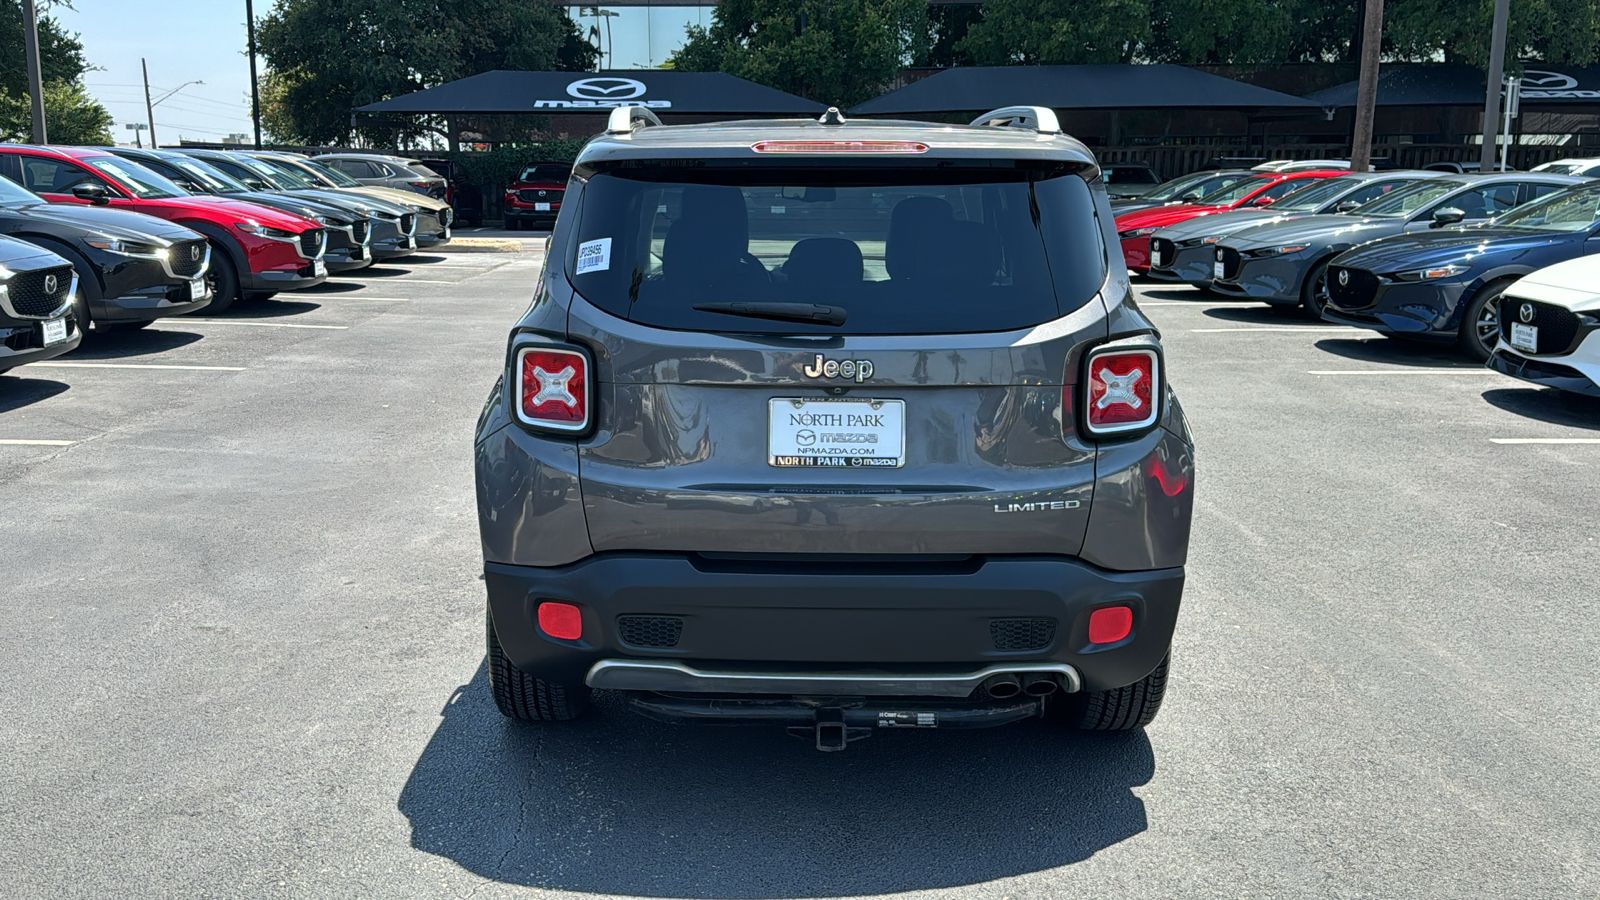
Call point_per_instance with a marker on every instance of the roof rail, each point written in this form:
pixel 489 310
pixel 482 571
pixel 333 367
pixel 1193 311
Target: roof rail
pixel 1038 118
pixel 628 119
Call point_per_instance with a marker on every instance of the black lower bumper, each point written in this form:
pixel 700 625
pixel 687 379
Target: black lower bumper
pixel 865 618
pixel 1543 373
pixel 23 342
pixel 279 280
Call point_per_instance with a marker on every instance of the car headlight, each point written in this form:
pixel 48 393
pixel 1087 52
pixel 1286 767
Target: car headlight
pixel 323 221
pixel 126 248
pixel 1434 273
pixel 1211 240
pixel 266 231
pixel 1277 251
pixel 1138 233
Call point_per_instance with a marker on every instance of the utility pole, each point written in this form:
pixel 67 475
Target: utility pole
pixel 149 108
pixel 1497 69
pixel 1367 90
pixel 255 86
pixel 30 37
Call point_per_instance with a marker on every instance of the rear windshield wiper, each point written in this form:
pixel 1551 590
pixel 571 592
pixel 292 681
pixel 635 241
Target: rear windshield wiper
pixel 787 312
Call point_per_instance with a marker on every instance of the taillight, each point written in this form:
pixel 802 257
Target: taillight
pixel 839 147
pixel 1122 391
pixel 553 390
pixel 562 621
pixel 1106 625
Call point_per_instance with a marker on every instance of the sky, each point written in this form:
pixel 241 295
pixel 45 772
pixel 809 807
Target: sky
pixel 211 45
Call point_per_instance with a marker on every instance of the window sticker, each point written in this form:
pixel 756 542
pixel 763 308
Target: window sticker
pixel 594 256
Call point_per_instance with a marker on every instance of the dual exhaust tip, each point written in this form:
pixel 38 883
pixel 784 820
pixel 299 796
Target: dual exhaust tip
pixel 1035 684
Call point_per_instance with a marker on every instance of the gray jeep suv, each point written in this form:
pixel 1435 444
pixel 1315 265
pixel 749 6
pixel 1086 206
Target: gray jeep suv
pixel 835 426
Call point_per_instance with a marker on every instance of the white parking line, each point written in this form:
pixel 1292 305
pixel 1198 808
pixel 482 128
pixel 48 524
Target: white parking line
pixel 374 299
pixel 421 280
pixel 1292 329
pixel 18 443
pixel 1466 370
pixel 184 319
pixel 1202 304
pixel 1544 440
pixel 86 365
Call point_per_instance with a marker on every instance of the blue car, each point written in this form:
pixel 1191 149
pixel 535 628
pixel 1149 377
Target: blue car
pixel 1445 285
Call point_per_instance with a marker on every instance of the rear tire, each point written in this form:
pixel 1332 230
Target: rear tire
pixel 1120 709
pixel 1480 321
pixel 525 698
pixel 223 279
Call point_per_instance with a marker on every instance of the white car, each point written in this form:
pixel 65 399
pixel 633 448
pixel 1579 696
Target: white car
pixel 1550 327
pixel 1301 165
pixel 1583 168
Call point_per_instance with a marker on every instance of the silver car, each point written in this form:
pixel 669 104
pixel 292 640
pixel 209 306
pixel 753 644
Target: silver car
pixel 379 170
pixel 835 426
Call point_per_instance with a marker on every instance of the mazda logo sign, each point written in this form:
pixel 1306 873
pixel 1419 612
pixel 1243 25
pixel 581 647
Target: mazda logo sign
pixel 51 283
pixel 1548 81
pixel 606 89
pixel 194 253
pixel 1344 276
pixel 1525 313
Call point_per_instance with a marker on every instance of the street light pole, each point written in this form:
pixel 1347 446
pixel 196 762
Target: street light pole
pixel 255 86
pixel 1367 90
pixel 1497 68
pixel 149 108
pixel 30 38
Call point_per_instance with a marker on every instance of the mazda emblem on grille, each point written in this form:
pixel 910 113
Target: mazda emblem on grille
pixel 194 253
pixel 1526 312
pixel 50 284
pixel 1344 276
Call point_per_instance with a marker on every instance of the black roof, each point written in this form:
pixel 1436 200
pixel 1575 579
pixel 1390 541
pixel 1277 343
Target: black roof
pixel 1120 86
pixel 1451 84
pixel 695 93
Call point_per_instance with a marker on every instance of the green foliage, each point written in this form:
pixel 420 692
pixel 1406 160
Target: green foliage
pixel 72 117
pixel 1557 31
pixel 331 56
pixel 834 51
pixel 60 53
pixel 1054 32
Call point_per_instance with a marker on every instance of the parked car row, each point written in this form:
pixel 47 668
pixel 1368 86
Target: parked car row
pixel 99 239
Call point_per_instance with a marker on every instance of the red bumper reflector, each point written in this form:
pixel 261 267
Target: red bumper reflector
pixel 1106 626
pixel 562 621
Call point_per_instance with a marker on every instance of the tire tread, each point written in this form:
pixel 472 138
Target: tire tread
pixel 1124 708
pixel 526 698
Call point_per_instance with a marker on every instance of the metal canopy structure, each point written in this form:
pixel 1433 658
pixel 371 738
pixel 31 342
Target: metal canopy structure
pixel 1088 87
pixel 548 93
pixel 1445 84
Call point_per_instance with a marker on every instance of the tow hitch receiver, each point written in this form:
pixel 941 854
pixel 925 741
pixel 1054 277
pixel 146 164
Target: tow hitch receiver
pixel 834 723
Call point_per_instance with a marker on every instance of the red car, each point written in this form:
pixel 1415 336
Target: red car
pixel 535 197
pixel 256 251
pixel 1135 228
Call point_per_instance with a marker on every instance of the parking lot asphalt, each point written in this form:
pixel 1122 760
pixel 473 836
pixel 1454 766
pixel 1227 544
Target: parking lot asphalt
pixel 242 646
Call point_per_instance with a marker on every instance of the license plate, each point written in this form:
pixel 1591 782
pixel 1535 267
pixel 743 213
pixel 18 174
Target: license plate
pixel 541 207
pixel 836 433
pixel 1216 270
pixel 411 243
pixel 55 331
pixel 1155 257
pixel 447 232
pixel 319 268
pixel 1525 337
pixel 197 289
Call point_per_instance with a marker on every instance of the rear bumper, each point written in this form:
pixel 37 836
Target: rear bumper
pixel 753 625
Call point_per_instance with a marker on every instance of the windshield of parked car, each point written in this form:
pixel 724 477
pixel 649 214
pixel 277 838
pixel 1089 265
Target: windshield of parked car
pixel 902 250
pixel 1576 209
pixel 207 176
pixel 1557 168
pixel 1408 200
pixel 556 174
pixel 1315 194
pixel 1233 193
pixel 141 182
pixel 1129 175
pixel 1202 184
pixel 329 175
pixel 297 179
pixel 251 172
pixel 13 194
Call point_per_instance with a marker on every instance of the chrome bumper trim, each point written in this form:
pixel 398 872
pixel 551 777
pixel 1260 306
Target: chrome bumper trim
pixel 672 677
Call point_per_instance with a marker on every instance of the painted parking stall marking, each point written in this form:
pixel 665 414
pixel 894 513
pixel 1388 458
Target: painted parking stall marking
pixel 88 365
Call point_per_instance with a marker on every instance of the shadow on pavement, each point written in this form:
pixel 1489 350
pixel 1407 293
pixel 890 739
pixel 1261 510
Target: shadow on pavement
pixel 1261 314
pixel 263 309
pixel 386 271
pixel 614 804
pixel 17 390
pixel 414 259
pixel 1548 405
pixel 334 287
pixel 122 344
pixel 1398 352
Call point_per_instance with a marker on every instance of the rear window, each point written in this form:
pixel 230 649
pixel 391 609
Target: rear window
pixel 1130 175
pixel 911 250
pixel 545 173
pixel 423 170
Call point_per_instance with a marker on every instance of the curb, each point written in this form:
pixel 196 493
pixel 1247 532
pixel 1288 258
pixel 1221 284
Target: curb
pixel 479 245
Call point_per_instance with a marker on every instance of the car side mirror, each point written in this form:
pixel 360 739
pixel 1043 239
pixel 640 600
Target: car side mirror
pixel 1263 201
pixel 1347 206
pixel 1190 197
pixel 98 194
pixel 1447 215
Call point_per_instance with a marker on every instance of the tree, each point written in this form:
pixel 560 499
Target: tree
pixel 331 56
pixel 1556 31
pixel 73 117
pixel 835 51
pixel 1058 32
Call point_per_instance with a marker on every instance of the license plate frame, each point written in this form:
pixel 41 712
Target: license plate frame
pixel 1155 257
pixel 196 289
pixel 55 331
pixel 1525 337
pixel 1216 270
pixel 863 424
pixel 541 207
pixel 319 268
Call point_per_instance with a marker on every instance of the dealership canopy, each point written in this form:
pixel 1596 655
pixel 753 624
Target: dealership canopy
pixel 693 93
pixel 1445 84
pixel 1108 87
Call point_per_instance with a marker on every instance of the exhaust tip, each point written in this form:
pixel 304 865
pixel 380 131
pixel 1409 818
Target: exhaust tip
pixel 1002 687
pixel 1039 685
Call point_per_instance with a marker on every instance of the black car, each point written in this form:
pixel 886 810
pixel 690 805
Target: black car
pixel 349 226
pixel 132 268
pixel 36 316
pixel 1445 285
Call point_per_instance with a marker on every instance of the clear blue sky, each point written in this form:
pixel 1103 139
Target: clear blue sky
pixel 210 46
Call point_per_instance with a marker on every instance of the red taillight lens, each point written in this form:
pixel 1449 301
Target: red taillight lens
pixel 553 388
pixel 1123 391
pixel 839 147
pixel 1106 626
pixel 562 621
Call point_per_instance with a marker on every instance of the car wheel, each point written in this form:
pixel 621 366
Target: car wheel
pixel 1119 709
pixel 1314 295
pixel 223 279
pixel 1480 321
pixel 526 698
